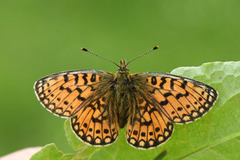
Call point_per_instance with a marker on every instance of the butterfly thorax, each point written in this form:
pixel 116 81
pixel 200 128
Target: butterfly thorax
pixel 122 78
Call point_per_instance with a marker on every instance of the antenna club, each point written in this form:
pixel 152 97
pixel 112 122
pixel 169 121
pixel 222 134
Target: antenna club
pixel 84 49
pixel 156 47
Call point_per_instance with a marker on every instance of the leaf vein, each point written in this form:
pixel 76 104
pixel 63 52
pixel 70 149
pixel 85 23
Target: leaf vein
pixel 207 147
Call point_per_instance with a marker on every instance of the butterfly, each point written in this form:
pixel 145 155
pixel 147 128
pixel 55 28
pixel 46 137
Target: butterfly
pixel 100 102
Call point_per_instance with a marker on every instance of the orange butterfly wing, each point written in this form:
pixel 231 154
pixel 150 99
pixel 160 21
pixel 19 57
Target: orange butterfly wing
pixel 93 124
pixel 180 99
pixel 65 93
pixel 71 94
pixel 149 127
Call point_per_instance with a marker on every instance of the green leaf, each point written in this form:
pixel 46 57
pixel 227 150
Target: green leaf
pixel 83 150
pixel 68 157
pixel 48 152
pixel 219 135
pixel 161 155
pixel 221 125
pixel 213 136
pixel 73 141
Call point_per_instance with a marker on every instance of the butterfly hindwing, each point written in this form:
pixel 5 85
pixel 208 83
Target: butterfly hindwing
pixel 64 93
pixel 92 124
pixel 149 127
pixel 181 99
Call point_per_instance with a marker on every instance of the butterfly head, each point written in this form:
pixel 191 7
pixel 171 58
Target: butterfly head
pixel 122 75
pixel 123 66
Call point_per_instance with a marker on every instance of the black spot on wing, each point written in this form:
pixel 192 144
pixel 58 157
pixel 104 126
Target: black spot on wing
pixel 93 78
pixel 85 79
pixel 163 82
pixel 163 103
pixel 154 80
pixel 65 78
pixel 76 78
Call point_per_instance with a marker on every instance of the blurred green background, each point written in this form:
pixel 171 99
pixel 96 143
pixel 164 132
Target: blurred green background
pixel 38 38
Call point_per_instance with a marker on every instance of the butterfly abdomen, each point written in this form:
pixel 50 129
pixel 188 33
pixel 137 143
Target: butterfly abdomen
pixel 124 91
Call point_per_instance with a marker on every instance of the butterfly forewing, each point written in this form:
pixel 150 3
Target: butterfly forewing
pixel 149 127
pixel 93 124
pixel 181 99
pixel 65 93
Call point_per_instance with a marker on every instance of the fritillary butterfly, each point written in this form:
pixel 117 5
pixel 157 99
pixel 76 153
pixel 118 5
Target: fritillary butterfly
pixel 99 102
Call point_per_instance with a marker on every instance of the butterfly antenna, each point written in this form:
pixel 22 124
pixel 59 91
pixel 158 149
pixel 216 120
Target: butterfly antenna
pixel 84 49
pixel 154 48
